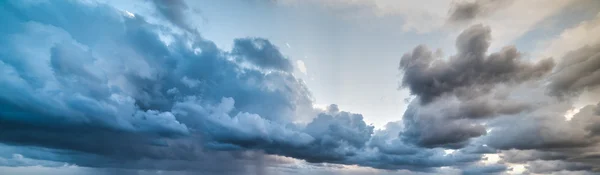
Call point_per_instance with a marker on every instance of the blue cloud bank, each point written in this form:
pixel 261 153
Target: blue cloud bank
pixel 103 88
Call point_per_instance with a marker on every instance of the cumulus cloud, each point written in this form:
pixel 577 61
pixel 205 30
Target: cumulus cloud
pixel 455 94
pixel 431 128
pixel 484 103
pixel 105 84
pixel 470 70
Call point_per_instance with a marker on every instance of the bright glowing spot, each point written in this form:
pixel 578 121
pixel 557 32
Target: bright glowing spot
pixel 288 45
pixel 197 51
pixel 516 168
pixel 301 66
pixel 448 151
pixel 570 113
pixel 491 158
pixel 129 14
pixel 320 106
pixel 191 83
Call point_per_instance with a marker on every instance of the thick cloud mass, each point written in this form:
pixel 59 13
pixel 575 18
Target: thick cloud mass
pixel 498 103
pixel 451 93
pixel 94 86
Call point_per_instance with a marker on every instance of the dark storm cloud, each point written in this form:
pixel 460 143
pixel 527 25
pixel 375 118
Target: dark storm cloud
pixel 261 53
pixel 470 71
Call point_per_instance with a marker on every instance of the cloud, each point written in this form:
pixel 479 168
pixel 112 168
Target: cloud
pixel 470 70
pixel 261 53
pixel 86 84
pixel 578 70
pixel 89 80
pixel 174 11
pixel 477 102
pixel 243 130
pixel 576 37
pixel 520 156
pixel 541 166
pixel 430 128
pixel 454 94
pixel 90 85
pixel 467 11
pixel 488 169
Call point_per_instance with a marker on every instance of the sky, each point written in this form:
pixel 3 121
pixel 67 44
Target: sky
pixel 299 87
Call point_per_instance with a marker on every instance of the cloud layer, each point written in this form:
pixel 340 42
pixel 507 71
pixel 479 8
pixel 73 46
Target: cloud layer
pixel 87 84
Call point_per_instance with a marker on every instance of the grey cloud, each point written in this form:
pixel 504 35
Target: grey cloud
pixel 578 70
pixel 537 133
pixel 470 70
pixel 451 122
pixel 565 172
pixel 541 166
pixel 522 156
pixel 546 128
pixel 548 142
pixel 467 11
pixel 433 129
pixel 483 103
pixel 485 108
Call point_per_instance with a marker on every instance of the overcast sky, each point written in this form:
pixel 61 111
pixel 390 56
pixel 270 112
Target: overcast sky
pixel 299 87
